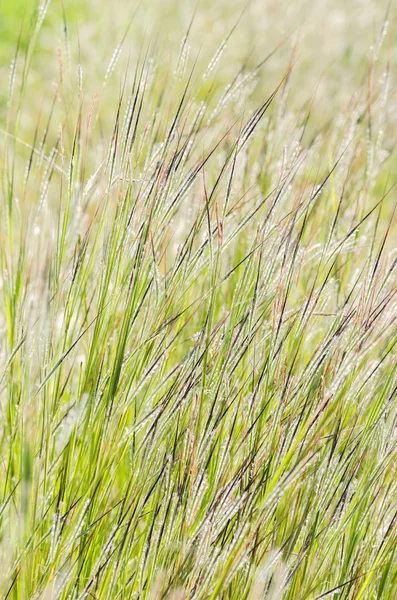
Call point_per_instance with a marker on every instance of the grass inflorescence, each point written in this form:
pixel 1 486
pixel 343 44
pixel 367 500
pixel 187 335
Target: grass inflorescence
pixel 198 318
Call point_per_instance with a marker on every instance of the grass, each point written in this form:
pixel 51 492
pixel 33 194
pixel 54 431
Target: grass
pixel 198 354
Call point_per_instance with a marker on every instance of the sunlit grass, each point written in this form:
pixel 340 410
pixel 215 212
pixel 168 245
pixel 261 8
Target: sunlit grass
pixel 198 316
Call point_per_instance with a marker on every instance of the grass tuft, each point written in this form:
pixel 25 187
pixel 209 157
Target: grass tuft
pixel 198 375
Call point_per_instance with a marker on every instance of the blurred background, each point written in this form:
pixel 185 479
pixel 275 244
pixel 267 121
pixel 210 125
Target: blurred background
pixel 330 41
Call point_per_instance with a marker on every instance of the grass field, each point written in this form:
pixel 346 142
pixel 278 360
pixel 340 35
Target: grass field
pixel 198 374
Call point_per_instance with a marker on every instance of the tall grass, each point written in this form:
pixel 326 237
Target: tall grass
pixel 198 356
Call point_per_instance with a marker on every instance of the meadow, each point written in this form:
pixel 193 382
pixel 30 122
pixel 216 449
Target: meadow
pixel 198 367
